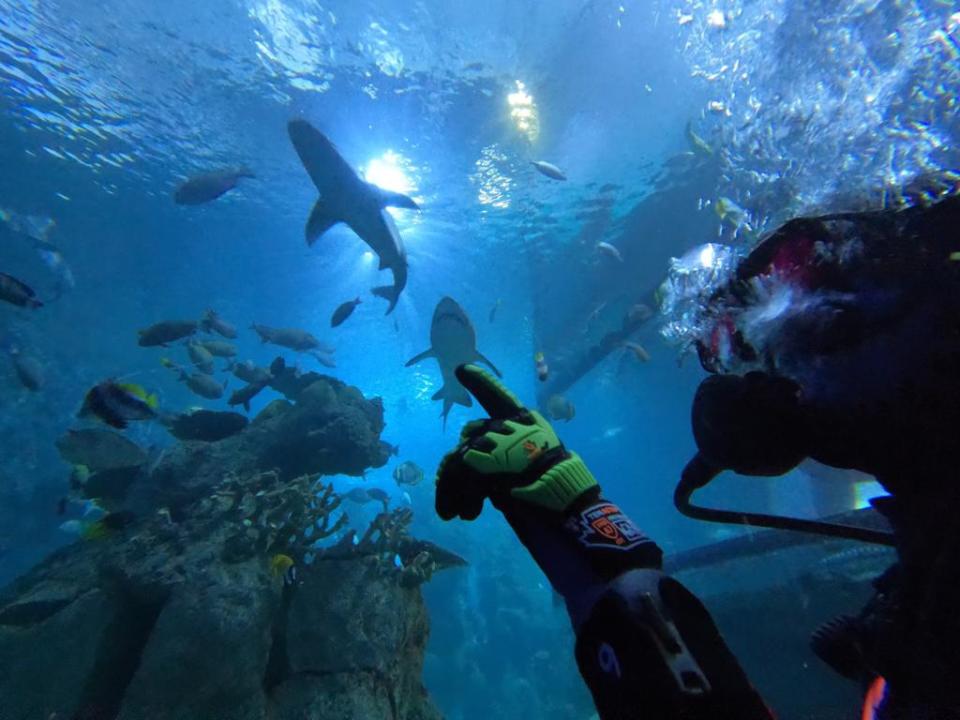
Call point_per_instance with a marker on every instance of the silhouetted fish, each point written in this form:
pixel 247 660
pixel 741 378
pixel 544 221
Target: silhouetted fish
pixel 344 197
pixel 202 189
pixel 453 342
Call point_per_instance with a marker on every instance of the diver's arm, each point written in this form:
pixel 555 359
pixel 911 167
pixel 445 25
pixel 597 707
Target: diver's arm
pixel 646 646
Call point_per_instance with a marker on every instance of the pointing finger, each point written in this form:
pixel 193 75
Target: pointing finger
pixel 499 402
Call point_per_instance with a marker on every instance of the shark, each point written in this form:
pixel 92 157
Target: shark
pixel 345 197
pixel 453 342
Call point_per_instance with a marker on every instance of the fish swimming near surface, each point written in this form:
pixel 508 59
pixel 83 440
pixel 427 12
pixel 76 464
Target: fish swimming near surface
pixel 213 323
pixel 117 404
pixel 343 312
pixel 207 187
pixel 453 342
pixel 408 473
pixel 163 333
pixel 206 425
pixel 17 292
pixel 97 449
pixel 548 169
pixel 345 197
pixel 218 348
pixel 28 369
pixel 299 340
pixel 610 251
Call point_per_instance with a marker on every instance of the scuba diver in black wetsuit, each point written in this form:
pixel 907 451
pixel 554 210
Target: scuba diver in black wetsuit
pixel 869 378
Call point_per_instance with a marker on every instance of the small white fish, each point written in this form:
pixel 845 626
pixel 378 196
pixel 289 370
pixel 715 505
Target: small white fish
pixel 71 526
pixel 605 248
pixel 548 169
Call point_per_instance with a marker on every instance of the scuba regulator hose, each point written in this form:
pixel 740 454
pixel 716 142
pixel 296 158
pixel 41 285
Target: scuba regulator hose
pixel 754 425
pixel 698 473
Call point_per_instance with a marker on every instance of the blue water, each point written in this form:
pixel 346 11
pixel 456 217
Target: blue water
pixel 104 110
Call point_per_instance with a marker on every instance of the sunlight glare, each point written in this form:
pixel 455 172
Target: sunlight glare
pixel 523 111
pixel 388 173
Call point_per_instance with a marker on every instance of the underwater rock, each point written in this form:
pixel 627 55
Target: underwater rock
pixel 351 631
pixel 179 616
pixel 67 641
pixel 331 429
pixel 230 621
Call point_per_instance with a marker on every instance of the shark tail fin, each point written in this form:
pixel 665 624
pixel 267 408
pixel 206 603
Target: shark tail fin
pixel 319 222
pixel 428 353
pixel 390 293
pixel 453 393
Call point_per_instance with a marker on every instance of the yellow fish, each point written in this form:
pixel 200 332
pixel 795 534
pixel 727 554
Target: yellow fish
pixel 283 566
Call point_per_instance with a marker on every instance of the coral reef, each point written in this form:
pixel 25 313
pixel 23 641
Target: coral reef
pixel 181 614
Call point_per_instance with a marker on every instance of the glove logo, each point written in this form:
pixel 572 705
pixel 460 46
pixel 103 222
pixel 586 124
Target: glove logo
pixel 533 450
pixel 605 525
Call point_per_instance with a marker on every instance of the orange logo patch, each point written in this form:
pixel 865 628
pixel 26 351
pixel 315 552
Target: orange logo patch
pixel 532 450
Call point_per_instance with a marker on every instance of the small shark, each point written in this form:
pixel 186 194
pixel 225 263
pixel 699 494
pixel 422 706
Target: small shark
pixel 453 342
pixel 345 197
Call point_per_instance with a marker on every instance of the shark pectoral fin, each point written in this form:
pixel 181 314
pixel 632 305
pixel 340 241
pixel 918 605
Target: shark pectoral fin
pixel 388 198
pixel 422 356
pixel 319 222
pixel 439 393
pixel 489 364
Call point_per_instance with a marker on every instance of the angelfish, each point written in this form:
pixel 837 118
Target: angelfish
pixel 117 404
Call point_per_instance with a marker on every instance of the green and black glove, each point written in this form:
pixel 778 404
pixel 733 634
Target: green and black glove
pixel 515 458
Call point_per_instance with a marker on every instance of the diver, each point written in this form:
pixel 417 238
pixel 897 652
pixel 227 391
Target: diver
pixel 865 378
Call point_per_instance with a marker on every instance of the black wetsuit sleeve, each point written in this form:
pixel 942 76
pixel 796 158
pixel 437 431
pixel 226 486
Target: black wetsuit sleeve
pixel 646 646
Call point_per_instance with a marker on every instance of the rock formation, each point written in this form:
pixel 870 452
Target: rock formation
pixel 181 614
